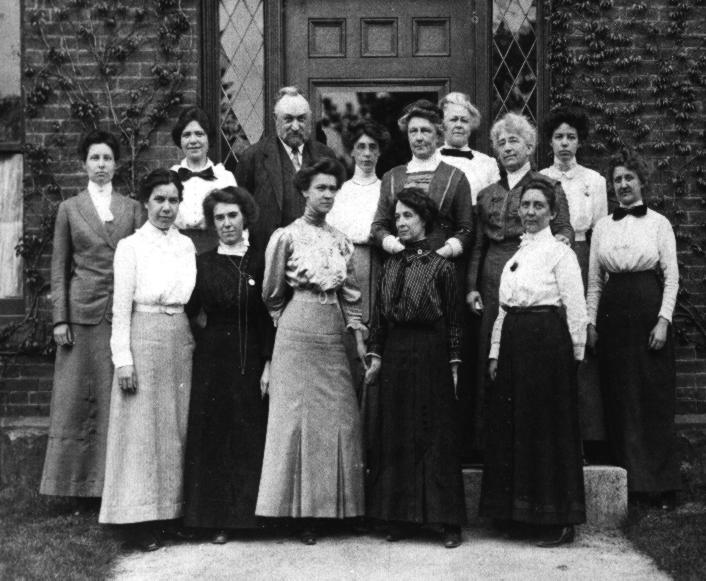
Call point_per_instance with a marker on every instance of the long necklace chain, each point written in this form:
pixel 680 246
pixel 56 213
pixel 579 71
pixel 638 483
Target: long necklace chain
pixel 244 279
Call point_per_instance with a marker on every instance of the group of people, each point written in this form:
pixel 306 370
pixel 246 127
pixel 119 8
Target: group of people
pixel 289 343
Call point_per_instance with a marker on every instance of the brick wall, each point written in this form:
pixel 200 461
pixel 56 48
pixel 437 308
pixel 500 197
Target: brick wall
pixel 25 382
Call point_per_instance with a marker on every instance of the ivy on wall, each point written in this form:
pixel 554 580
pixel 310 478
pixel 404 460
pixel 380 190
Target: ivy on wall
pixel 93 62
pixel 638 69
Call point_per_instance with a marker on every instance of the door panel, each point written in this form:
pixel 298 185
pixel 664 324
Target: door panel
pixel 371 58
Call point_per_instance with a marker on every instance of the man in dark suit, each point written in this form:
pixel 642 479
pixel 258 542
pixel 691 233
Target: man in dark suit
pixel 266 169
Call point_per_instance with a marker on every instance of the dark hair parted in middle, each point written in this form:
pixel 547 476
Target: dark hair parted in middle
pixel 158 177
pixel 573 116
pixel 422 204
pixel 327 166
pixel 98 136
pixel 366 127
pixel 231 195
pixel 426 110
pixel 186 117
pixel 544 186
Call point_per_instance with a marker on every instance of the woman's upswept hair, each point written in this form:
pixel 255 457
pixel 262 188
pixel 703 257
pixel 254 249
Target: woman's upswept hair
pixel 98 136
pixel 366 127
pixel 327 166
pixel 158 177
pixel 422 204
pixel 463 100
pixel 517 124
pixel 426 110
pixel 573 116
pixel 630 159
pixel 231 195
pixel 544 186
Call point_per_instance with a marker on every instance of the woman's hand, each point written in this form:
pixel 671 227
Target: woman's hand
pixel 475 302
pixel 658 335
pixel 360 348
pixel 454 375
pixel 265 380
pixel 591 337
pixel 563 239
pixel 373 370
pixel 127 378
pixel 493 369
pixel 445 251
pixel 63 335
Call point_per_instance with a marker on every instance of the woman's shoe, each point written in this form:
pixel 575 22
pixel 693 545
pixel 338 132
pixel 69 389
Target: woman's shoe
pixel 566 536
pixel 146 540
pixel 308 536
pixel 220 538
pixel 452 536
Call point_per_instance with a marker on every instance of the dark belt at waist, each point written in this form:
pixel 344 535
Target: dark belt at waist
pixel 535 309
pixel 632 273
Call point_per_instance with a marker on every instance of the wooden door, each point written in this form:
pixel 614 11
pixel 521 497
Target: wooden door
pixel 358 58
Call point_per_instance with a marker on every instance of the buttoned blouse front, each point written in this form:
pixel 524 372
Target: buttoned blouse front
pixel 480 171
pixel 152 268
pixel 543 272
pixel 196 189
pixel 585 191
pixel 633 244
pixel 311 255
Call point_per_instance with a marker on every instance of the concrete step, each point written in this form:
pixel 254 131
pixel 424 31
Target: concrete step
pixel 606 495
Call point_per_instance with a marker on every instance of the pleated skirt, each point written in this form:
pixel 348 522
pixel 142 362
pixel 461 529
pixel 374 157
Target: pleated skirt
pixel 74 464
pixel 147 430
pixel 415 470
pixel 313 462
pixel 638 383
pixel 533 471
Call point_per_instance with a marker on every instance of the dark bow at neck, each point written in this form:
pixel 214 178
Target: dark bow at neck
pixel 185 174
pixel 638 211
pixel 453 152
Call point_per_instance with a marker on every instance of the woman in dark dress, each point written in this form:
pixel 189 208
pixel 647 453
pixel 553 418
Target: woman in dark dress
pixel 533 470
pixel 228 414
pixel 415 346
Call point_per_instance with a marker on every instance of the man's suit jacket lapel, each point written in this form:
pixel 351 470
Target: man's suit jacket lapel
pixel 273 168
pixel 90 215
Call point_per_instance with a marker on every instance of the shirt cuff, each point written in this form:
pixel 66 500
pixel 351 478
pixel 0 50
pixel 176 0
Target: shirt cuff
pixel 494 351
pixel 371 354
pixel 666 315
pixel 456 361
pixel 579 351
pixel 122 359
pixel 456 246
pixel 392 245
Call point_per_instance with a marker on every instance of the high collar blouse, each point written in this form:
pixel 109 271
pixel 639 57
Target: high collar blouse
pixel 100 196
pixel 354 210
pixel 196 189
pixel 543 272
pixel 633 244
pixel 152 268
pixel 309 254
pixel 585 191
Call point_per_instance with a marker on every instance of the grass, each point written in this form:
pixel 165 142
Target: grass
pixel 42 538
pixel 675 540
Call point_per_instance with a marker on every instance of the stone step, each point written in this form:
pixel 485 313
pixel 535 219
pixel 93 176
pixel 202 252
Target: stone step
pixel 606 495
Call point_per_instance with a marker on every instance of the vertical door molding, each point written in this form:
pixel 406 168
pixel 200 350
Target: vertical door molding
pixel 209 62
pixel 274 56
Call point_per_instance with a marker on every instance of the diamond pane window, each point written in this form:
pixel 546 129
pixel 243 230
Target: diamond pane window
pixel 242 68
pixel 515 57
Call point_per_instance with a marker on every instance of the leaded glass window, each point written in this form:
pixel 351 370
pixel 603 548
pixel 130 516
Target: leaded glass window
pixel 514 60
pixel 242 71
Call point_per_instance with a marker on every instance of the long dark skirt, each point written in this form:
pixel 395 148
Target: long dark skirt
pixel 415 472
pixel 533 469
pixel 638 383
pixel 497 255
pixel 227 427
pixel 590 399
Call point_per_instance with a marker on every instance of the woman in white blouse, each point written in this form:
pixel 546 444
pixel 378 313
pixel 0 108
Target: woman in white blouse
pixel 566 128
pixel 198 174
pixel 632 289
pixel 356 202
pixel 151 344
pixel 461 118
pixel 533 470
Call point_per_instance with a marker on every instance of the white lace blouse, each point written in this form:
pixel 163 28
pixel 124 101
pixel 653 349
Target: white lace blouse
pixel 481 171
pixel 354 210
pixel 151 268
pixel 543 272
pixel 631 245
